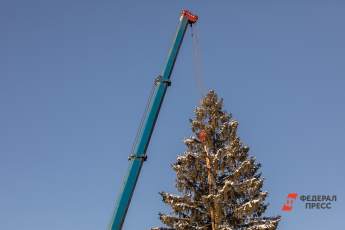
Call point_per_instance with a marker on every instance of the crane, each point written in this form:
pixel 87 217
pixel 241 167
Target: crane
pixel 138 155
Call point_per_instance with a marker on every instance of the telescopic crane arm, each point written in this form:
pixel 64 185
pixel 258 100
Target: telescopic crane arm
pixel 138 156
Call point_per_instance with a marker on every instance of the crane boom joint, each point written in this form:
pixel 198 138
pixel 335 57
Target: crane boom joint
pixel 160 79
pixel 134 157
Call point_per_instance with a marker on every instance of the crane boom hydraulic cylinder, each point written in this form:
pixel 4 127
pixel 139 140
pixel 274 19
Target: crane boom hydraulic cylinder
pixel 138 156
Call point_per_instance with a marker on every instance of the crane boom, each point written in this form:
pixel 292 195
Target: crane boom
pixel 138 156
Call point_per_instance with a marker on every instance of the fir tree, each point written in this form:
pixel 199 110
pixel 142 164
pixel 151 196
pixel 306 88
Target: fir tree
pixel 220 184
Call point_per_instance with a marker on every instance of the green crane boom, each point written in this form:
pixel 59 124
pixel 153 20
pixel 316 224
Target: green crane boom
pixel 138 156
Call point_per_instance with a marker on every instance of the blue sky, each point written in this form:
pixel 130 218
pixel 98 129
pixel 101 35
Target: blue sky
pixel 75 76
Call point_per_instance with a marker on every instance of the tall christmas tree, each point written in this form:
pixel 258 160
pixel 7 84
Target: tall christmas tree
pixel 220 184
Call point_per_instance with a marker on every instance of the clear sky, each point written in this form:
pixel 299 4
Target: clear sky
pixel 75 76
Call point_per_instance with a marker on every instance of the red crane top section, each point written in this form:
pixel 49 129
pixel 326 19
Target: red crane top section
pixel 192 18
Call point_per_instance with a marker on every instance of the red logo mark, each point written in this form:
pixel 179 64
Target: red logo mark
pixel 291 197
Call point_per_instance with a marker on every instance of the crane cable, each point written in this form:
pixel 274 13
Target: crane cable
pixel 197 60
pixel 141 124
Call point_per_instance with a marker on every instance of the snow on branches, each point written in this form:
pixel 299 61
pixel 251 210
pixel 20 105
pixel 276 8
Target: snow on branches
pixel 220 186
